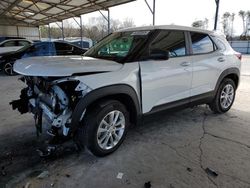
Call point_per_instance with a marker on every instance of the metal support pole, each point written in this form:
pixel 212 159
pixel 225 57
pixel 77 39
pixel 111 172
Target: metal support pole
pixel 62 31
pixel 154 12
pixel 39 32
pixel 107 19
pixel 81 31
pixel 216 13
pixel 151 10
pixel 17 31
pixel 49 32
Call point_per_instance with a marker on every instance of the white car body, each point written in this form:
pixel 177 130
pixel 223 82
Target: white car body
pixel 152 83
pixel 12 45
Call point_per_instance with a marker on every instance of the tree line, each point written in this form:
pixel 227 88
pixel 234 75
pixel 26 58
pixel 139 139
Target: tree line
pixel 227 21
pixel 95 29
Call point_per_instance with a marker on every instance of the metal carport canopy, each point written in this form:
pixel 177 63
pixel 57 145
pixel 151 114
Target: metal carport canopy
pixel 43 12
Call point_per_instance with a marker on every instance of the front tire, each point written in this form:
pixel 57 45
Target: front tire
pixel 225 96
pixel 105 127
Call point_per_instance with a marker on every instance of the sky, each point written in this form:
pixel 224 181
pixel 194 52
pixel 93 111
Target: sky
pixel 179 12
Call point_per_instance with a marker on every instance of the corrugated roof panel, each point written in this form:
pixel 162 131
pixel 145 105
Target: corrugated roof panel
pixel 38 16
pixel 34 8
pixel 78 2
pixel 54 10
pixel 42 6
pixel 49 11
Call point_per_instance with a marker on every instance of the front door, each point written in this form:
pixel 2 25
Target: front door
pixel 166 81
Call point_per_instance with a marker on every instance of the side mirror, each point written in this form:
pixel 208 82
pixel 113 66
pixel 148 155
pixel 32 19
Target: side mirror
pixel 158 54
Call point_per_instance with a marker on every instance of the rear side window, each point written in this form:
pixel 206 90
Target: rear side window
pixel 63 46
pixel 201 43
pixel 170 41
pixel 23 43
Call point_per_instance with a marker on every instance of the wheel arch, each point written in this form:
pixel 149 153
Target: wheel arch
pixel 232 73
pixel 121 92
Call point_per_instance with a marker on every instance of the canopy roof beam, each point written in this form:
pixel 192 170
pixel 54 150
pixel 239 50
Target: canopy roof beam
pixel 43 12
pixel 107 18
pixel 81 28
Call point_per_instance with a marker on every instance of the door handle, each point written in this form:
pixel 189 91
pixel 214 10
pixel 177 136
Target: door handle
pixel 185 64
pixel 221 59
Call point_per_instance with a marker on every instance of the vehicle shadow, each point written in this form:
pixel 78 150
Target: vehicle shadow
pixel 18 152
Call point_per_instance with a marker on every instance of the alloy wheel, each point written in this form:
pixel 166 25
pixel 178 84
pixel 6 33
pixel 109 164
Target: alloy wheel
pixel 227 96
pixel 111 130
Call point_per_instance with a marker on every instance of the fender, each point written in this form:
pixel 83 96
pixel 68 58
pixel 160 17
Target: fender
pixel 226 72
pixel 100 93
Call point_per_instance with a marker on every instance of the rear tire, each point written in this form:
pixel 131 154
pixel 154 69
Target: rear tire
pixel 225 96
pixel 105 126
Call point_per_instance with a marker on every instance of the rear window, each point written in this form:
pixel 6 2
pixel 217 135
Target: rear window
pixel 201 43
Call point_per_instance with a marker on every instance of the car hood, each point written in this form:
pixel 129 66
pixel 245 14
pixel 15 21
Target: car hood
pixel 63 66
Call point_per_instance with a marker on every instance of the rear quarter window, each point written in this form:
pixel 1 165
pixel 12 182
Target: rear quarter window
pixel 202 43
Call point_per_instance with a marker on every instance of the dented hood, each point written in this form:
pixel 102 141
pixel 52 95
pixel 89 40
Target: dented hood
pixel 63 65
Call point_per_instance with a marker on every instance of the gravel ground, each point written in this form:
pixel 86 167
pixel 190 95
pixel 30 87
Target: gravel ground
pixel 169 150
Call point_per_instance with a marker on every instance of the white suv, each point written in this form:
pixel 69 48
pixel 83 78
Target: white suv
pixel 130 73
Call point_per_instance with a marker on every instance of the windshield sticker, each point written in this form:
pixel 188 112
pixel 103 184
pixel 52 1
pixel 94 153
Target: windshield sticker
pixel 142 33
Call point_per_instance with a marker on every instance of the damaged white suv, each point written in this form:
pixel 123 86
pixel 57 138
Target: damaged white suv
pixel 94 98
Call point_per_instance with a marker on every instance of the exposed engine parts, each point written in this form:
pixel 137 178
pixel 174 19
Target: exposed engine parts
pixel 52 100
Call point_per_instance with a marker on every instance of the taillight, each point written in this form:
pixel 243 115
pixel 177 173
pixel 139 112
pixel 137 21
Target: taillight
pixel 239 56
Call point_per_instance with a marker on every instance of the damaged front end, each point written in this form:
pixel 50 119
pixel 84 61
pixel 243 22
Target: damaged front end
pixel 53 99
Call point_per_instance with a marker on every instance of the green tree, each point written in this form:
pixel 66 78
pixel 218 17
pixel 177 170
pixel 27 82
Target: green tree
pixel 198 24
pixel 226 23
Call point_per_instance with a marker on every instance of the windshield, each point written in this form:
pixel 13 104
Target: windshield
pixel 118 46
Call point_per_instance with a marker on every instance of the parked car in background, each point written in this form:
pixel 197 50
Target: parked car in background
pixel 82 44
pixel 12 45
pixel 37 49
pixel 7 38
pixel 129 74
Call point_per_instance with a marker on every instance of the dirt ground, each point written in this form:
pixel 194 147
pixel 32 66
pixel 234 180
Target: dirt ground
pixel 170 150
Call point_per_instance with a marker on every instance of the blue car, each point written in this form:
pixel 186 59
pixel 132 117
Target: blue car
pixel 38 49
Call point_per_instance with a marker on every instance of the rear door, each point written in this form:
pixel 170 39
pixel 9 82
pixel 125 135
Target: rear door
pixel 206 63
pixel 166 81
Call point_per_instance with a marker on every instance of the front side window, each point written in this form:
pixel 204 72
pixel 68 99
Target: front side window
pixel 119 46
pixel 40 49
pixel 9 44
pixel 201 43
pixel 172 42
